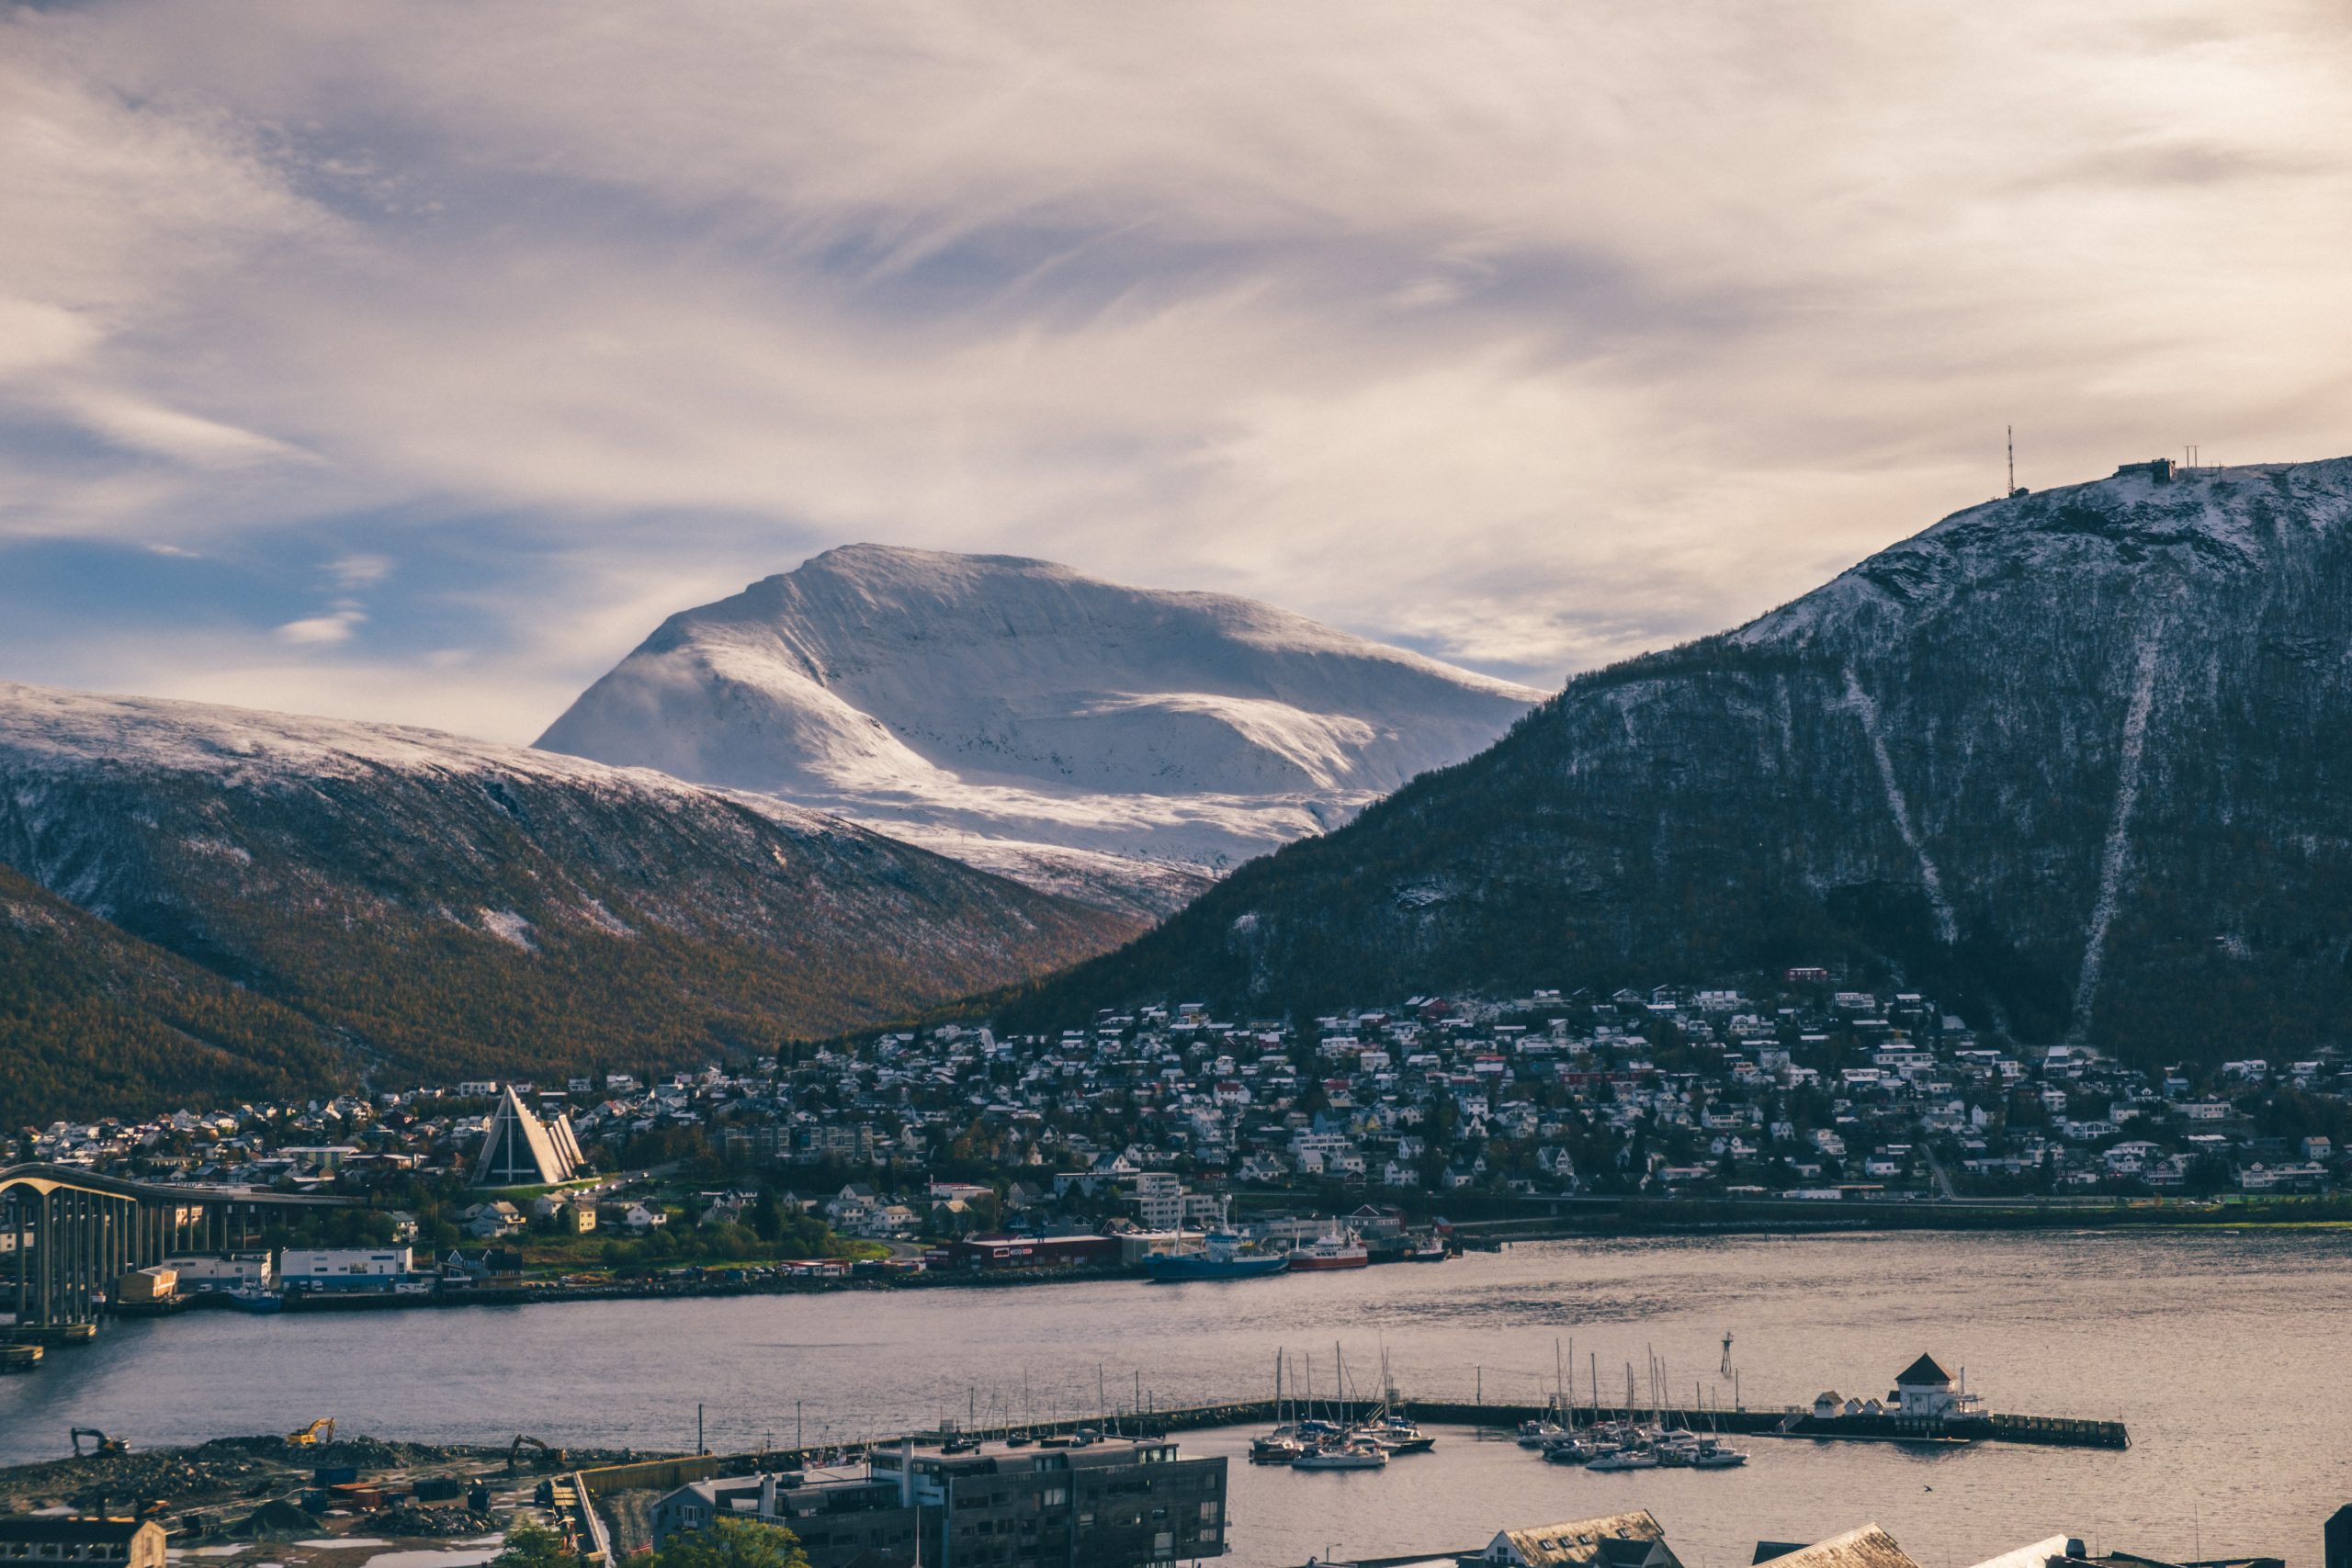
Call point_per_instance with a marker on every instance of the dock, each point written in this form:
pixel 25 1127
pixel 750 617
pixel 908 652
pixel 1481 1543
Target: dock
pixel 49 1332
pixel 1793 1421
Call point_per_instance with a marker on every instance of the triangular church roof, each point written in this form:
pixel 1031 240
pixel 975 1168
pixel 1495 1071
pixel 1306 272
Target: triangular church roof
pixel 519 1150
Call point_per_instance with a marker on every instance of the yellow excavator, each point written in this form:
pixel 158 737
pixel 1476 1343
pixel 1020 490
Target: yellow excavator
pixel 319 1431
pixel 99 1442
pixel 545 1459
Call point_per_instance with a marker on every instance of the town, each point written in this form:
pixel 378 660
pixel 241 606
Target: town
pixel 953 1146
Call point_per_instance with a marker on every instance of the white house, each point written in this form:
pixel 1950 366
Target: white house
pixel 1925 1389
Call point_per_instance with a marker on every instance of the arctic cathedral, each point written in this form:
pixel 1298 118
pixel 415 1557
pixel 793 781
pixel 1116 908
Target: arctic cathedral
pixel 523 1151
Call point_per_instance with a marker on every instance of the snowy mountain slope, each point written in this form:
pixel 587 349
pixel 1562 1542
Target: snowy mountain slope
pixel 434 902
pixel 1019 700
pixel 2076 761
pixel 1149 890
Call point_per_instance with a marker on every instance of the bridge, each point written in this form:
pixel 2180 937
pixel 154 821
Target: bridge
pixel 76 1233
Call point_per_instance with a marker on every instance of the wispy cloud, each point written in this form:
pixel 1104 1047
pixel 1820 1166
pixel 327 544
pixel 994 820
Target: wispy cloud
pixel 1533 333
pixel 337 625
pixel 359 570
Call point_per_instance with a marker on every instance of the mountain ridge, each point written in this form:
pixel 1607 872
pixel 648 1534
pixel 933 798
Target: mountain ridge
pixel 435 904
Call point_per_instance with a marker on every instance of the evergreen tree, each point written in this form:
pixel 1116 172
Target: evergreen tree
pixel 732 1543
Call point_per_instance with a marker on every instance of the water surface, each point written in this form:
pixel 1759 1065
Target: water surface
pixel 2226 1352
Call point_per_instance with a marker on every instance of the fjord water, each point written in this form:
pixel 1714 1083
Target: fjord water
pixel 2226 1352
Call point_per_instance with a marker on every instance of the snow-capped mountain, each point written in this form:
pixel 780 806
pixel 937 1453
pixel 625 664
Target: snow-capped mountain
pixel 992 698
pixel 434 904
pixel 2075 763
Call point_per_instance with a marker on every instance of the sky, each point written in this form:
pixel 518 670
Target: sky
pixel 411 361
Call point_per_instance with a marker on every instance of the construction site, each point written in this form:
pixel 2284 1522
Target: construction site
pixel 314 1498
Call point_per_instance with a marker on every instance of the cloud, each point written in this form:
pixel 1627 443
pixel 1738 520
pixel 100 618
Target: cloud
pixel 1535 334
pixel 324 631
pixel 359 570
pixel 143 426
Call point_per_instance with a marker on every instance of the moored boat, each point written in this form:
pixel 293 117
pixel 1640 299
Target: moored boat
pixel 1280 1446
pixel 1624 1459
pixel 1222 1258
pixel 1343 1456
pixel 1540 1434
pixel 1335 1248
pixel 1398 1435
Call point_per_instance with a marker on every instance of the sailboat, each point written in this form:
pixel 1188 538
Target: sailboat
pixel 1282 1445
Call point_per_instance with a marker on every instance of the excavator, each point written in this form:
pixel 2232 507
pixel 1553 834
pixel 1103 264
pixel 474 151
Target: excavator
pixel 99 1442
pixel 319 1431
pixel 545 1459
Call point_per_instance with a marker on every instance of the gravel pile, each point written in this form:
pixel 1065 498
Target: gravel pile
pixel 368 1453
pixel 416 1519
pixel 180 1474
pixel 275 1520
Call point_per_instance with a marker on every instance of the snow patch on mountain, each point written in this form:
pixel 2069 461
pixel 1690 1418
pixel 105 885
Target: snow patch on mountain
pixel 509 927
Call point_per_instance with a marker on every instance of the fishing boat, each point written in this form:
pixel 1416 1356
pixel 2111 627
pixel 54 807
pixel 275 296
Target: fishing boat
pixel 254 1301
pixel 1221 1257
pixel 1435 1252
pixel 1335 1248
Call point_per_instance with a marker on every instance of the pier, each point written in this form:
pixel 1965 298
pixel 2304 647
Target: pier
pixel 1785 1421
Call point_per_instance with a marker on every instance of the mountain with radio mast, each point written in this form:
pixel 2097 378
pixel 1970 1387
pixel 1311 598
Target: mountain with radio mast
pixel 2075 761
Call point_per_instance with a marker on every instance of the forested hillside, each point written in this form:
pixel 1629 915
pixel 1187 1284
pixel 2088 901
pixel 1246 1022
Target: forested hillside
pixel 91 1017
